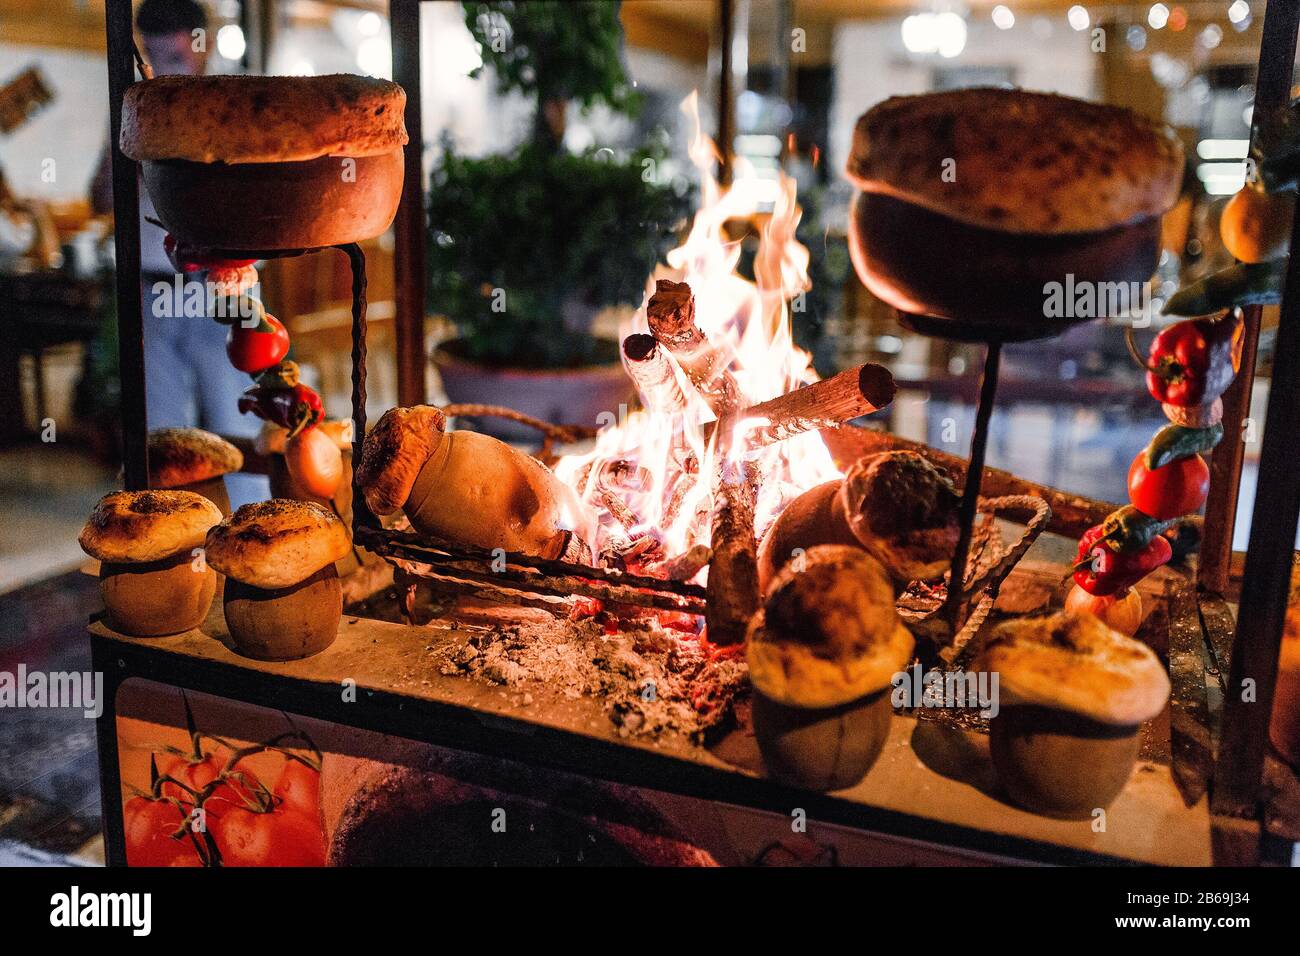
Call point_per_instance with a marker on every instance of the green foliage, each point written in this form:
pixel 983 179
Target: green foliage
pixel 526 246
pixel 555 232
pixel 554 49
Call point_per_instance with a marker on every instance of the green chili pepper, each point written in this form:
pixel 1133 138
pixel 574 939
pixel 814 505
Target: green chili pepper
pixel 1178 441
pixel 1257 283
pixel 1128 530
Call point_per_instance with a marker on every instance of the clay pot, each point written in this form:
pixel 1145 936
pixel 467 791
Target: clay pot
pixel 822 749
pixel 976 284
pixel 575 396
pixel 214 489
pixel 285 624
pixel 268 206
pixel 1058 763
pixel 158 597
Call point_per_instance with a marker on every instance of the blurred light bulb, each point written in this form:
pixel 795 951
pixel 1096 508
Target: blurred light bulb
pixel 952 34
pixel 374 56
pixel 1078 17
pixel 1003 18
pixel 1211 36
pixel 230 42
pixel 1158 16
pixel 1136 38
pixel 369 23
pixel 1238 11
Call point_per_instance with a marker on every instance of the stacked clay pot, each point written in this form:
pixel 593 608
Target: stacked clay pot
pixel 153 575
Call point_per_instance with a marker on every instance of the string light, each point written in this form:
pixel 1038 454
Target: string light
pixel 1158 16
pixel 1003 18
pixel 1078 17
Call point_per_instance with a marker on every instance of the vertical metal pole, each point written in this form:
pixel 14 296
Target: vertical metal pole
pixel 726 115
pixel 126 236
pixel 974 477
pixel 1272 90
pixel 361 514
pixel 110 768
pixel 1258 638
pixel 409 227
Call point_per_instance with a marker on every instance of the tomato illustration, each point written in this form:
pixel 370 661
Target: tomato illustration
pixel 149 825
pixel 282 837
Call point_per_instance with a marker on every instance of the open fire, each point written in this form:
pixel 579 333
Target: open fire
pixel 652 475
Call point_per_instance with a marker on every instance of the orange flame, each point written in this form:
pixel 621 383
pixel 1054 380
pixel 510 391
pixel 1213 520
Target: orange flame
pixel 658 464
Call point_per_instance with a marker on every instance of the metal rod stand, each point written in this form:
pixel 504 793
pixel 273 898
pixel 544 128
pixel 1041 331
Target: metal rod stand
pixel 971 491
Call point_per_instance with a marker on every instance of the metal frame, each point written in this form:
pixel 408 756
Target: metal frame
pixel 1256 644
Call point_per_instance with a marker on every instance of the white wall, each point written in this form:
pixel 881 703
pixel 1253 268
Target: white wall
pixel 71 130
pixel 871 64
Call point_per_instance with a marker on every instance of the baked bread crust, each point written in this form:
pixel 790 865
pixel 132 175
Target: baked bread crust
pixel 183 456
pixel 277 543
pixel 828 633
pixel 1078 664
pixel 394 452
pixel 261 119
pixel 903 510
pixel 135 527
pixel 1024 162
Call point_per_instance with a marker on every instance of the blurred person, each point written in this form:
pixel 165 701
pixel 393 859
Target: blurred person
pixel 27 233
pixel 188 380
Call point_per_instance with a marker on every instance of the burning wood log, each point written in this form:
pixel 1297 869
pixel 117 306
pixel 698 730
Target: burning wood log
pixel 732 589
pixel 733 572
pixel 825 404
pixel 671 313
pixel 652 371
pixel 682 567
pixel 821 405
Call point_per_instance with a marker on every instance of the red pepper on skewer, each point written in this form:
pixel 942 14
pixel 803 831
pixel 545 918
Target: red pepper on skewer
pixel 1192 363
pixel 279 397
pixel 1122 550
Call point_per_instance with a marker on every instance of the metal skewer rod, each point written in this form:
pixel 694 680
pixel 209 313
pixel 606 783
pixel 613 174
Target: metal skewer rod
pixel 971 491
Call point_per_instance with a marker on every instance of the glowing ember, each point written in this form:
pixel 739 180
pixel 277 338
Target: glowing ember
pixel 650 475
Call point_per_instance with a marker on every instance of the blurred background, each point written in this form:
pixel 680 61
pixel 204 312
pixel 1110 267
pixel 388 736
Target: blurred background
pixel 556 165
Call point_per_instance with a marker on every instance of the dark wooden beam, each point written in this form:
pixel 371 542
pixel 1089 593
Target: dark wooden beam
pixel 1248 698
pixel 409 227
pixel 126 239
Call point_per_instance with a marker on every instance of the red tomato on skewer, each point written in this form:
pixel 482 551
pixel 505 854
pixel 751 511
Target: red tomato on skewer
pixel 256 349
pixel 1176 489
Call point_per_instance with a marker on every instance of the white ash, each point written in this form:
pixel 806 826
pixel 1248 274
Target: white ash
pixel 652 680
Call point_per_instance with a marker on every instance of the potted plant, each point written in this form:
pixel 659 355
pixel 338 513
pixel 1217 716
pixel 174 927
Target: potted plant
pixel 526 247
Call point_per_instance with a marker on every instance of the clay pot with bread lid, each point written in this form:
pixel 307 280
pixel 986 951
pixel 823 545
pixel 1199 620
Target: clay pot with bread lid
pixel 283 599
pixel 268 162
pixel 972 201
pixel 152 573
pixel 465 487
pixel 271 442
pixel 192 459
pixel 895 505
pixel 1072 697
pixel 822 654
